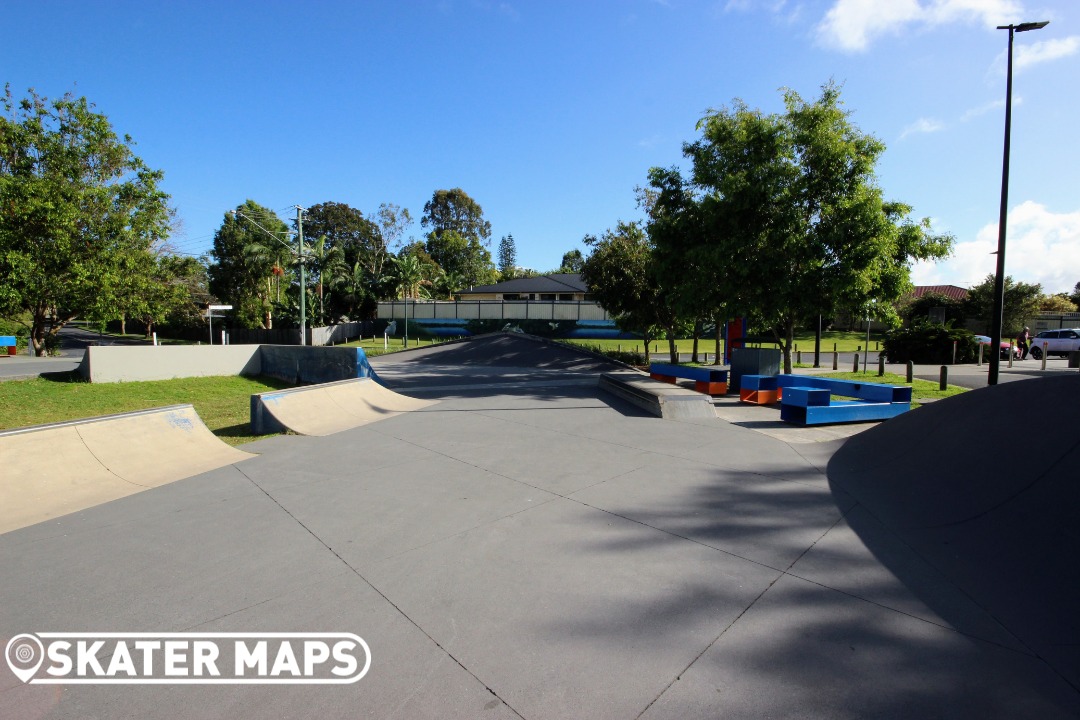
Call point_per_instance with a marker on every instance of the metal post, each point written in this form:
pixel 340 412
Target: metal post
pixel 856 369
pixel 980 354
pixel 910 371
pixel 817 343
pixel 303 283
pixel 999 278
pixel 943 381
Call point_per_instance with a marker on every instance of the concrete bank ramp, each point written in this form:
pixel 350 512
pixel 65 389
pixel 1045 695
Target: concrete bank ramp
pixel 985 487
pixel 53 470
pixel 328 408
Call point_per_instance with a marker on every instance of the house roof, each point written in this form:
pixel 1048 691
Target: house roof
pixel 554 283
pixel 949 291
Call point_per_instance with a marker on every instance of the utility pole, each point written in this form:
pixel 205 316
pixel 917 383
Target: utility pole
pixel 303 282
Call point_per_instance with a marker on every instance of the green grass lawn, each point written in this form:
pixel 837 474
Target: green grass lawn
pixel 222 402
pixel 374 346
pixel 920 389
pixel 844 342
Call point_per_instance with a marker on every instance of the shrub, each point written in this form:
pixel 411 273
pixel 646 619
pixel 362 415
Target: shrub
pixel 930 344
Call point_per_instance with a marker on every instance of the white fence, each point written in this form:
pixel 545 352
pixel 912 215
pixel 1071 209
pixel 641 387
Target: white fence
pixel 491 310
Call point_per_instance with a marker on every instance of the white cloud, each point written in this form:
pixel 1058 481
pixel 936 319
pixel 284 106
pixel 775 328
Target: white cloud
pixel 922 125
pixel 987 107
pixel 1041 247
pixel 1027 55
pixel 851 25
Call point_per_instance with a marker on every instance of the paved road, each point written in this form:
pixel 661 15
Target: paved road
pixel 532 549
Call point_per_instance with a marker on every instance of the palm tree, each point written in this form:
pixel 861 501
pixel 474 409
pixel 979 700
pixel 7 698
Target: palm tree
pixel 410 275
pixel 448 283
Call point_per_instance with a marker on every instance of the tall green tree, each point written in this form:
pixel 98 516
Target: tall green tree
pixel 1021 301
pixel 621 274
pixel 507 257
pixel 459 236
pixel 572 261
pixel 791 221
pixel 454 211
pixel 249 251
pixel 79 211
pixel 345 228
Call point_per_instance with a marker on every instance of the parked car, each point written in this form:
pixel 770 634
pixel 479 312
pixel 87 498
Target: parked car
pixel 1058 342
pixel 1005 349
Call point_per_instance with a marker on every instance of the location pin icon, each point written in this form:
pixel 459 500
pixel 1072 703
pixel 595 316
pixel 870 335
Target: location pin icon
pixel 24 654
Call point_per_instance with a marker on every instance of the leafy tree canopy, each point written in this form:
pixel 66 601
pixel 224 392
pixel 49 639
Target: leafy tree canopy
pixel 621 274
pixel 1021 302
pixel 80 214
pixel 572 261
pixel 783 219
pixel 454 211
pixel 251 252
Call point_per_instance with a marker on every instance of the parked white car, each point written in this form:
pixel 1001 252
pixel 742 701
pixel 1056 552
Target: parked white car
pixel 1058 342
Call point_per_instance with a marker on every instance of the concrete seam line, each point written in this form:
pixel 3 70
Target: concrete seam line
pixel 380 592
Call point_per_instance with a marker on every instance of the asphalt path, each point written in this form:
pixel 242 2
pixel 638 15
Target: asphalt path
pixel 528 547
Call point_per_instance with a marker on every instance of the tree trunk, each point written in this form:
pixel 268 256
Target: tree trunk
pixel 673 350
pixel 123 324
pixel 786 343
pixel 697 334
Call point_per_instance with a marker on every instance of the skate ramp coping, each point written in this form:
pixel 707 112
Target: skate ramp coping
pixel 328 408
pixel 61 468
pixel 985 487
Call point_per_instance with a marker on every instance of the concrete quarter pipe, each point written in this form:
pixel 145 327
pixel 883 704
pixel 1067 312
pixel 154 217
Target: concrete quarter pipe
pixel 53 470
pixel 328 408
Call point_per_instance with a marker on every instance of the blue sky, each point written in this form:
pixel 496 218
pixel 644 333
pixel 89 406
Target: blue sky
pixel 549 113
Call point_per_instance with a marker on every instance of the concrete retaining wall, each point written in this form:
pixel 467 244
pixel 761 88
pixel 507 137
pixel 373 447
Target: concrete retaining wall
pixel 118 363
pixel 291 363
pixel 310 365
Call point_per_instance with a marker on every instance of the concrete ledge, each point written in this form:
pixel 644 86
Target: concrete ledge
pixel 658 398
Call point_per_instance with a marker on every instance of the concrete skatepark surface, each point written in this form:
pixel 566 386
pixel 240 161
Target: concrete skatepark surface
pixel 529 547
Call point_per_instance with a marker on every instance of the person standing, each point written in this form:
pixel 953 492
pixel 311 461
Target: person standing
pixel 1022 342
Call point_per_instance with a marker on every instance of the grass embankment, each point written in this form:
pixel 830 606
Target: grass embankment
pixel 222 402
pixel 844 341
pixel 374 346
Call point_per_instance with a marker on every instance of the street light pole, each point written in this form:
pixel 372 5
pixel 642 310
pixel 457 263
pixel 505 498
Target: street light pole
pixel 999 278
pixel 303 284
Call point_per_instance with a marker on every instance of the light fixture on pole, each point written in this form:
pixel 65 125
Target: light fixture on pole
pixel 999 278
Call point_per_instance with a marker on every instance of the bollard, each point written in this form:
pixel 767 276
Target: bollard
pixel 1010 355
pixel 881 366
pixel 798 356
pixel 835 360
pixel 910 371
pixel 834 347
pixel 1044 356
pixel 620 348
pixel 980 354
pixel 943 383
pixel 954 353
pixel 856 362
